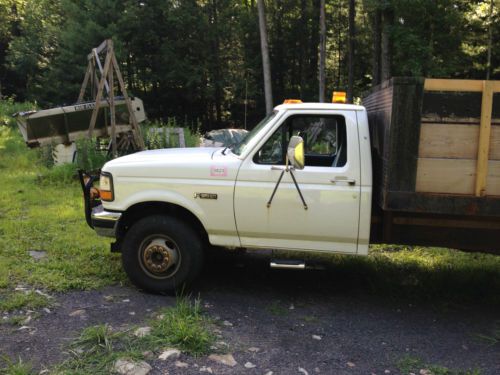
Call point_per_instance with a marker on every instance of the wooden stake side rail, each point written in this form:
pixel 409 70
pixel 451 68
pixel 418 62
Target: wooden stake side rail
pixel 487 88
pixel 436 162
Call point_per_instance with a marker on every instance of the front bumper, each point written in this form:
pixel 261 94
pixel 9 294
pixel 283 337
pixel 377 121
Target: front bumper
pixel 104 222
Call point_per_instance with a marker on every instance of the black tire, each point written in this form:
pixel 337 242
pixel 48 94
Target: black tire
pixel 156 242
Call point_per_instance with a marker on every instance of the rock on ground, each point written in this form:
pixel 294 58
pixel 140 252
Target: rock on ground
pixel 225 359
pixel 126 367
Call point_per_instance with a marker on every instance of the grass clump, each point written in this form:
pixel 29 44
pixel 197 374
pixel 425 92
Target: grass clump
pixel 9 367
pixel 409 365
pixel 94 351
pixel 275 308
pixel 182 326
pixel 98 347
pixel 21 300
pixel 492 338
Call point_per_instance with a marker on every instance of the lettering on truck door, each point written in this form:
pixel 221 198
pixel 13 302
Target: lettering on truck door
pixel 329 183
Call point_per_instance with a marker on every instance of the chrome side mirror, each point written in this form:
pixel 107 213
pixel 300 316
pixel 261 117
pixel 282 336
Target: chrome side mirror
pixel 295 152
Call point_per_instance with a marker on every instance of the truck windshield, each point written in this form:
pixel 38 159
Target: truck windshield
pixel 240 147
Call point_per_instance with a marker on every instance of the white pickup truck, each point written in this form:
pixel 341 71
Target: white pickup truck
pixel 300 180
pixel 164 206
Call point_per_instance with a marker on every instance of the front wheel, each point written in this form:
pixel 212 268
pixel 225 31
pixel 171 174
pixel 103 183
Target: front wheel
pixel 162 254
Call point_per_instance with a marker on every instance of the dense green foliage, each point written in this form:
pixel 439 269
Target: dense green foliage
pixel 201 59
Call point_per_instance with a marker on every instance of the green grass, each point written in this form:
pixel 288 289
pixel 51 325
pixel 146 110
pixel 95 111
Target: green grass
pixel 492 337
pixel 409 364
pixel 42 213
pixel 16 300
pixel 98 347
pixel 9 367
pixel 182 326
pixel 277 309
pixel 428 274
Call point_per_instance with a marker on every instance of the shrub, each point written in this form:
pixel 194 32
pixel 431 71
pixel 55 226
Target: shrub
pixel 8 107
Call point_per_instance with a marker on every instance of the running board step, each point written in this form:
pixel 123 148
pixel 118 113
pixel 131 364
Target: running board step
pixel 290 264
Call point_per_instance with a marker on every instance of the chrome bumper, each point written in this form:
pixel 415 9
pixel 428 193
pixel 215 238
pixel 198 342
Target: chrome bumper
pixel 104 222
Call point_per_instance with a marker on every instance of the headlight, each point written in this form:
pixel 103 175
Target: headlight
pixel 106 187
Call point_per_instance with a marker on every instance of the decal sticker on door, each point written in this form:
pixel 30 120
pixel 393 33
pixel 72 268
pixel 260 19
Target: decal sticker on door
pixel 218 171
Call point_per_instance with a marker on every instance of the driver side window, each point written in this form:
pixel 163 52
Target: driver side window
pixel 324 141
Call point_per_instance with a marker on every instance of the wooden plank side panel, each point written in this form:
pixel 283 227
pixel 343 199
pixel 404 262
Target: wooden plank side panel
pixel 461 85
pixel 457 107
pixel 454 176
pixel 455 141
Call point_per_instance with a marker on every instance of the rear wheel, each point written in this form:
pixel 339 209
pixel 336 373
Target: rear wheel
pixel 162 254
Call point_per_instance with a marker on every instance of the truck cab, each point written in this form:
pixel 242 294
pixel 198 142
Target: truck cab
pixel 164 207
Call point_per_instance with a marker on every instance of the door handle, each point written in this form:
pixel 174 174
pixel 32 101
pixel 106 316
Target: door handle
pixel 343 180
pixel 275 168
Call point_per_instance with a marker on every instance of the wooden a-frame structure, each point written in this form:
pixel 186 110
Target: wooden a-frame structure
pixel 105 76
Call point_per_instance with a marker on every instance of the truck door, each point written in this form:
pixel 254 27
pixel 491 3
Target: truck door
pixel 329 182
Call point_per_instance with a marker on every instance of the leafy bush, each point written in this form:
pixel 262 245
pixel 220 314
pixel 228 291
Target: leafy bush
pixel 154 134
pixel 8 107
pixel 90 155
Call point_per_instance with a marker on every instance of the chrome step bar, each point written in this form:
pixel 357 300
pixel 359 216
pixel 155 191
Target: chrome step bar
pixel 289 264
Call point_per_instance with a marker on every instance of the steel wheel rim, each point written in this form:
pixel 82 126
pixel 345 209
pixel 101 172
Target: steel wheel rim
pixel 159 256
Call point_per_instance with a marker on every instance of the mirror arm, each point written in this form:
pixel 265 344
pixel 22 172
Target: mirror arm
pixel 286 169
pixel 275 188
pixel 298 190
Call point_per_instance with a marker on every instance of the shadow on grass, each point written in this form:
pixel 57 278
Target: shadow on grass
pixel 440 276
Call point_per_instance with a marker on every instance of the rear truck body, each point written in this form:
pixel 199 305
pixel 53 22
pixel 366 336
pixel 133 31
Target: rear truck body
pixel 302 179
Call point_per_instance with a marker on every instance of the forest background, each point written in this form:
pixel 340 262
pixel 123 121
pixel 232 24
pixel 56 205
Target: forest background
pixel 199 61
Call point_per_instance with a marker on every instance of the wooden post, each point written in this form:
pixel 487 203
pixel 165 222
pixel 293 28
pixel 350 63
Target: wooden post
pixel 85 82
pixel 112 112
pixel 483 149
pixel 135 125
pixel 98 98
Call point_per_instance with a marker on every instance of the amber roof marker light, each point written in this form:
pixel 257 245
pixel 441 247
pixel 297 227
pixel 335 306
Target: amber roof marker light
pixel 292 101
pixel 339 97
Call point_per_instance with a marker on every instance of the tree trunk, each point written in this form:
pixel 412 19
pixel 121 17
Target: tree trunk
pixel 352 36
pixel 313 53
pixel 490 40
pixel 385 67
pixel 303 47
pixel 266 65
pixel 339 45
pixel 322 52
pixel 217 67
pixel 377 32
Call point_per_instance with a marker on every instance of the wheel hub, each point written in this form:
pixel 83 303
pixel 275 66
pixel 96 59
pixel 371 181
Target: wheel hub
pixel 157 258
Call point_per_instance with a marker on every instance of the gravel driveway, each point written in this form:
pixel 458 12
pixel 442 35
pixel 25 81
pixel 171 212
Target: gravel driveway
pixel 284 322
